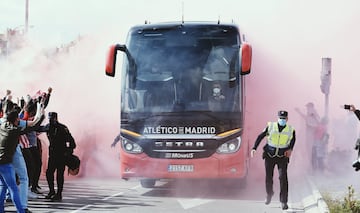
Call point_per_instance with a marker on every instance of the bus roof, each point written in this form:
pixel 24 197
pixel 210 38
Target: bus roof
pixel 163 25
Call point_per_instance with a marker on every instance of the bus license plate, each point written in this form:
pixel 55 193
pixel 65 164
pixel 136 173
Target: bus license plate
pixel 181 168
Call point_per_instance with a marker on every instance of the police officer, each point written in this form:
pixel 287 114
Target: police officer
pixel 61 146
pixel 277 151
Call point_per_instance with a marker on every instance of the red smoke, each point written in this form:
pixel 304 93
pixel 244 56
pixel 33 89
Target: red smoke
pixel 288 40
pixel 86 100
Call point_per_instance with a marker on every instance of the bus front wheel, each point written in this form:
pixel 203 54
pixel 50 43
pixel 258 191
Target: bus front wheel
pixel 148 183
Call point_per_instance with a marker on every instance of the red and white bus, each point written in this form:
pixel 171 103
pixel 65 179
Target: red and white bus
pixel 182 101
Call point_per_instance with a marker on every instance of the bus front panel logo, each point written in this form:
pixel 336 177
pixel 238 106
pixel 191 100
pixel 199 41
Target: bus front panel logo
pixel 184 144
pixel 148 130
pixel 179 155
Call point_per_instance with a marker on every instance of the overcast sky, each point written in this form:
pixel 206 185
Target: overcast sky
pixel 61 20
pixel 67 18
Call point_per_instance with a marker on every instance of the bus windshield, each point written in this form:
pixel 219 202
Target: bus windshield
pixel 180 69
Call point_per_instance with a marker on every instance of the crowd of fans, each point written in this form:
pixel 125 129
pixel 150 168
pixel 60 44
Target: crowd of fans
pixel 29 149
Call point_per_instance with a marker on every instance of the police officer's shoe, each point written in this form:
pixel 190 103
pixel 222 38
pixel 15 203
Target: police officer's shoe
pixel 57 197
pixel 50 195
pixel 284 206
pixel 268 198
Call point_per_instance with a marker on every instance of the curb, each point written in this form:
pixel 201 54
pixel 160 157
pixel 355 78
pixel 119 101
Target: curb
pixel 314 203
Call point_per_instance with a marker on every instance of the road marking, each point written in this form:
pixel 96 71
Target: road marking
pixel 191 203
pixel 105 198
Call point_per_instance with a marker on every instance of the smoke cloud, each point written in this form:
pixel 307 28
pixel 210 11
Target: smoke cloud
pixel 289 38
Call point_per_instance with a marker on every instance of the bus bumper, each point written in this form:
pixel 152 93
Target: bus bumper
pixel 228 166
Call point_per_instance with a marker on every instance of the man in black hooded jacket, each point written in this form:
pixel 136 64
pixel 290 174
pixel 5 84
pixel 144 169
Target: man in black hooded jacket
pixel 61 147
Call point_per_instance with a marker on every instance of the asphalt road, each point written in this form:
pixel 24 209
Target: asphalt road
pixel 116 195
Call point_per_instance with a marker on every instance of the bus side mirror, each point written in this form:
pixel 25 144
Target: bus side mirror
pixel 111 59
pixel 246 54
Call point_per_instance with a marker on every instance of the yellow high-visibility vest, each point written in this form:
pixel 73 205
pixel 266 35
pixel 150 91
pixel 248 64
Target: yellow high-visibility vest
pixel 279 139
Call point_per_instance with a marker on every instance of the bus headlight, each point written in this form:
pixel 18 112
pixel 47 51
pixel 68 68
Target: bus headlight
pixel 130 146
pixel 230 146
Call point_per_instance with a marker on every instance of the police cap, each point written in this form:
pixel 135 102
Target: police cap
pixel 282 114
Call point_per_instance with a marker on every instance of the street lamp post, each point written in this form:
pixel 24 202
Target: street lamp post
pixel 326 82
pixel 26 15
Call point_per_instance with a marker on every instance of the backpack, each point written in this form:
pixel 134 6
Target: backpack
pixel 73 164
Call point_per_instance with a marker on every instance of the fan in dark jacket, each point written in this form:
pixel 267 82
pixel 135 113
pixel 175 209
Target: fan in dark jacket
pixel 61 147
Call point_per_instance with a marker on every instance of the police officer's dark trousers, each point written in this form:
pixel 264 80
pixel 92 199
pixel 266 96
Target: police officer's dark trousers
pixel 282 164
